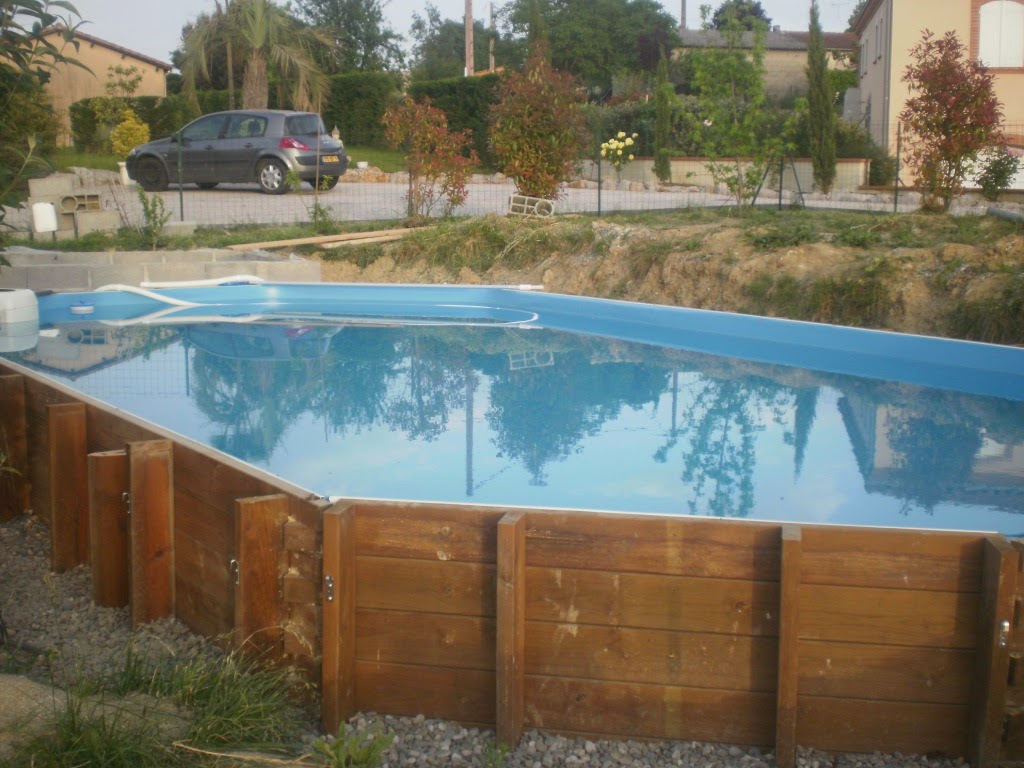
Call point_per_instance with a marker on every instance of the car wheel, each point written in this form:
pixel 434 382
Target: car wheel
pixel 151 175
pixel 207 184
pixel 270 174
pixel 324 183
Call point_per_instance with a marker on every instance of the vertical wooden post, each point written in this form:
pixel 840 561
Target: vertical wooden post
pixel 259 541
pixel 338 599
pixel 151 530
pixel 108 527
pixel 511 627
pixel 789 647
pixel 995 622
pixel 14 446
pixel 69 485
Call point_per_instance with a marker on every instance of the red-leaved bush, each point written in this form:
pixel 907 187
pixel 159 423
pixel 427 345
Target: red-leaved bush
pixel 952 114
pixel 437 159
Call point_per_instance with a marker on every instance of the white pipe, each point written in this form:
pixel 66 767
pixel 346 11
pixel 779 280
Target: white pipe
pixel 213 281
pixel 148 294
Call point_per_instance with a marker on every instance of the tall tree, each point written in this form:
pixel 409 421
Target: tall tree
pixel 821 115
pixel 267 39
pixel 366 42
pixel 952 114
pixel 748 13
pixel 858 9
pixel 596 39
pixel 439 50
pixel 27 58
pixel 664 97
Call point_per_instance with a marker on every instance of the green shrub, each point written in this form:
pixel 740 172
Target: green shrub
pixel 1000 166
pixel 357 105
pixel 467 102
pixel 129 133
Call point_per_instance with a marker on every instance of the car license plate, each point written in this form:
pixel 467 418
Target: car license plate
pixel 329 159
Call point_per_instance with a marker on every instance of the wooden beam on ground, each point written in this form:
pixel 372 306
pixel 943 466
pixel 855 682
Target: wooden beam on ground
pixel 108 527
pixel 789 648
pixel 69 486
pixel 364 241
pixel 511 628
pixel 151 484
pixel 259 539
pixel 338 600
pixel 14 447
pixel 1000 566
pixel 321 239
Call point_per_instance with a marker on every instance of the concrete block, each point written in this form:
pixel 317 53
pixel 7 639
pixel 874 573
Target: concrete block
pixel 179 228
pixel 57 184
pixel 57 278
pixel 131 274
pixel 159 272
pixel 97 221
pixel 13 277
pixel 289 271
pixel 229 269
pixel 182 257
pixel 65 234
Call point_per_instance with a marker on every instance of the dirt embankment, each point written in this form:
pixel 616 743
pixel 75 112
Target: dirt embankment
pixel 725 265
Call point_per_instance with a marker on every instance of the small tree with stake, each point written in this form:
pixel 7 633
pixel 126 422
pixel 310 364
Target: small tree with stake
pixel 952 114
pixel 820 114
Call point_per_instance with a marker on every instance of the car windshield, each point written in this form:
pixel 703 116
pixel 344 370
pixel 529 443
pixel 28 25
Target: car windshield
pixel 304 125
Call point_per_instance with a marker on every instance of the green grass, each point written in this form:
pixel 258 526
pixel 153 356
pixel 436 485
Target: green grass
pixel 388 160
pixel 67 157
pixel 998 319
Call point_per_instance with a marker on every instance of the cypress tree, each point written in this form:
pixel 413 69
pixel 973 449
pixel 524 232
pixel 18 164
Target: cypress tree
pixel 664 94
pixel 820 114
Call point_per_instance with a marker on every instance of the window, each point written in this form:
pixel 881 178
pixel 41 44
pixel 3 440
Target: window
pixel 204 129
pixel 246 126
pixel 1001 34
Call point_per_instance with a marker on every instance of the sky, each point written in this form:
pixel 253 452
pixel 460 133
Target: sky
pixel 153 27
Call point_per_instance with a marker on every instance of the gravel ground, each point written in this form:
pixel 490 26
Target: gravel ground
pixel 52 618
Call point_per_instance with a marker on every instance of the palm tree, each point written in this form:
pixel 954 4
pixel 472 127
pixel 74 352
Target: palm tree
pixel 264 36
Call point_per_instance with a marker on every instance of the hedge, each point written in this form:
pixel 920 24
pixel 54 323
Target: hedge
pixel 357 104
pixel 467 103
pixel 163 115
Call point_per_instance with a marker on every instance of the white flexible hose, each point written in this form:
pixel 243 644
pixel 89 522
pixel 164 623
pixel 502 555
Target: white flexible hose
pixel 148 294
pixel 213 281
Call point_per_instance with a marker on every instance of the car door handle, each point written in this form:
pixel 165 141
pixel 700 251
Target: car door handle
pixel 209 146
pixel 250 145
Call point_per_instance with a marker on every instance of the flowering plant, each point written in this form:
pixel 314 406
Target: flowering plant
pixel 617 151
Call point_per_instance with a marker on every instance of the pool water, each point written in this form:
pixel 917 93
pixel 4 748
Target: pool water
pixel 493 405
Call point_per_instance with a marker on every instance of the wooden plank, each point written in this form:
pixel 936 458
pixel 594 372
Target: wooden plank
pixel 888 672
pixel 882 616
pixel 649 544
pixel 348 237
pixel 194 517
pixel 69 486
pixel 631 710
pixel 151 530
pixel 995 619
pixel 657 602
pixel 855 725
pixel 424 585
pixel 203 588
pixel 865 557
pixel 108 527
pixel 789 648
pixel 511 629
pixel 14 489
pixel 296 589
pixel 338 606
pixel 258 546
pixel 300 538
pixel 621 654
pixel 464 695
pixel 428 532
pixel 428 639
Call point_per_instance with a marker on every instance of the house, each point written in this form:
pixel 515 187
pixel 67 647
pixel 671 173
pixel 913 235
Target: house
pixel 68 84
pixel 785 55
pixel 887 30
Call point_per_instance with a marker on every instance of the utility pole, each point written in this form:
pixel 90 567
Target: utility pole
pixel 490 46
pixel 469 38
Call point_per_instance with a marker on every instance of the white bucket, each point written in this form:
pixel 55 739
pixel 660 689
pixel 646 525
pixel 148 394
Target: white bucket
pixel 44 217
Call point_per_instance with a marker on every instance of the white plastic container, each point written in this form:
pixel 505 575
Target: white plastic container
pixel 19 319
pixel 44 217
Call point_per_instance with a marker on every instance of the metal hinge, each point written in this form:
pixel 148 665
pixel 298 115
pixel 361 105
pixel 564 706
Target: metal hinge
pixel 236 570
pixel 127 499
pixel 1004 634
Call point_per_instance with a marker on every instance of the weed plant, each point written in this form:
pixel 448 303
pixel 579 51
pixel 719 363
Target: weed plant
pixel 998 319
pixel 354 749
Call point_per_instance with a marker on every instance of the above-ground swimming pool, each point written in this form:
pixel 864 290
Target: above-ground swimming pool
pixel 519 398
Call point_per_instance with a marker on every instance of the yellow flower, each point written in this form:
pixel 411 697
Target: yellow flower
pixel 603 150
pixel 622 135
pixel 620 151
pixel 629 142
pixel 630 157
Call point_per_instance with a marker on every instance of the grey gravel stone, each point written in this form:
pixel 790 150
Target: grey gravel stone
pixel 52 616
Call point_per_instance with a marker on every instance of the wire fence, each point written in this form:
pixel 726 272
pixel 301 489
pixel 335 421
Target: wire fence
pixel 368 194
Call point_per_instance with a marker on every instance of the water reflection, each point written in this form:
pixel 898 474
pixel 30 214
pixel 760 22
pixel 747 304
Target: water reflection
pixel 575 419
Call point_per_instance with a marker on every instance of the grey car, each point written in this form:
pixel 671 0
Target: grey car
pixel 242 146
